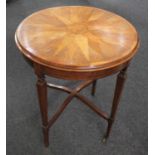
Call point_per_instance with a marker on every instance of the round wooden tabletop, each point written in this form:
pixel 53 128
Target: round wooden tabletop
pixel 77 38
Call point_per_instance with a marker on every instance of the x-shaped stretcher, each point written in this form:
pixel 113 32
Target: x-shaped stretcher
pixel 42 94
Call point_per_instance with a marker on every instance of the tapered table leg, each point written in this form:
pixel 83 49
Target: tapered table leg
pixel 93 88
pixel 118 91
pixel 42 96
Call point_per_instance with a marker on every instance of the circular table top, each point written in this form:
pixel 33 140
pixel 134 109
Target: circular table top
pixel 77 38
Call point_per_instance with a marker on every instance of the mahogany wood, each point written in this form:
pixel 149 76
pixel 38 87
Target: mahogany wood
pixel 82 98
pixel 77 43
pixel 117 95
pixel 42 96
pixel 93 88
pixel 67 101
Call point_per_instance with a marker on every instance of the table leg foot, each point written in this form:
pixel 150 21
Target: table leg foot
pixel 46 136
pixel 104 140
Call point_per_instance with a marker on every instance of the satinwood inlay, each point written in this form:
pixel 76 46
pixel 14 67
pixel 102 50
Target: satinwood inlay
pixel 77 37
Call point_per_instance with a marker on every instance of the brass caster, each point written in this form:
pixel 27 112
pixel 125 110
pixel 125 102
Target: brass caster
pixel 105 138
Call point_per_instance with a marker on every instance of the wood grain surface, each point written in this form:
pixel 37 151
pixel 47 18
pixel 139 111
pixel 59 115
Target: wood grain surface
pixel 77 38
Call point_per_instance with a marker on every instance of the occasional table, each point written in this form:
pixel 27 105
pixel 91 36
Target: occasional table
pixel 77 43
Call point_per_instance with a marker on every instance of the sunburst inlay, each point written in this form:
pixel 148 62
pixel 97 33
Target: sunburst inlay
pixel 77 37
